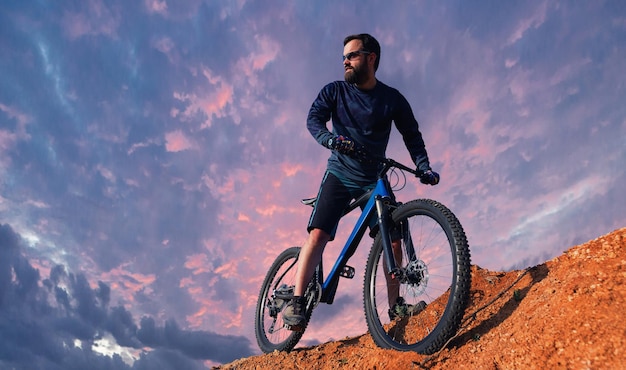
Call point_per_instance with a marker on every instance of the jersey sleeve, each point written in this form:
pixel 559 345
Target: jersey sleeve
pixel 320 114
pixel 409 129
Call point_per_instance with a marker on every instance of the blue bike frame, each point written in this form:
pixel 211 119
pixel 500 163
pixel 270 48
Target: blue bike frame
pixel 378 201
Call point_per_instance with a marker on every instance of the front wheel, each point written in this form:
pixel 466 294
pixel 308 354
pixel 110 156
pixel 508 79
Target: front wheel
pixel 433 280
pixel 275 292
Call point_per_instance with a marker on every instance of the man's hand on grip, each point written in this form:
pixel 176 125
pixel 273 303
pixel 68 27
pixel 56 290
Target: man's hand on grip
pixel 342 144
pixel 429 177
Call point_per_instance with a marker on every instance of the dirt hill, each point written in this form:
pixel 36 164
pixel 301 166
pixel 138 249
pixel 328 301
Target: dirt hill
pixel 568 313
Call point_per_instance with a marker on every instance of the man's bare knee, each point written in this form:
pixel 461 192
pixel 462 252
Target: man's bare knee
pixel 318 237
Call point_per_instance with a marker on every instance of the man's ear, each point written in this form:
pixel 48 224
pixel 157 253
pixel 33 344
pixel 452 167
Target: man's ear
pixel 371 58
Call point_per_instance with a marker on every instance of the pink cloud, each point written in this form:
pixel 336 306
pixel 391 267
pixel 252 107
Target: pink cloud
pixel 156 6
pixel 211 104
pixel 198 263
pixel 227 270
pixel 8 138
pixel 211 310
pixel 106 173
pixel 247 68
pixel 127 283
pixel 212 314
pixel 268 209
pixel 534 21
pixel 144 144
pixel 167 46
pixel 176 141
pixel 97 19
pixel 164 44
pixel 269 49
pixel 291 169
pixel 196 319
pixel 225 190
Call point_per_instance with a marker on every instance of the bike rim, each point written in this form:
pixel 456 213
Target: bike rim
pixel 273 329
pixel 433 269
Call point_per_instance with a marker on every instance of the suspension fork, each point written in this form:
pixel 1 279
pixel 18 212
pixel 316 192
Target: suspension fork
pixel 384 222
pixel 407 240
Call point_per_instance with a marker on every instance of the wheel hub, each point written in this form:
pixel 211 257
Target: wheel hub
pixel 416 275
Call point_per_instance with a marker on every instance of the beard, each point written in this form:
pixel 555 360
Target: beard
pixel 354 75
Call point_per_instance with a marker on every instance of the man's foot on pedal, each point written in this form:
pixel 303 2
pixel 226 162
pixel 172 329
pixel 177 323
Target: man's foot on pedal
pixel 293 316
pixel 401 309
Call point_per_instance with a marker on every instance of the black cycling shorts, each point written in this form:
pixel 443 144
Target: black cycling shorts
pixel 332 199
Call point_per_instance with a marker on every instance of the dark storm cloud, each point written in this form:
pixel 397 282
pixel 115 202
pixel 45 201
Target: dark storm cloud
pixel 41 319
pixel 195 344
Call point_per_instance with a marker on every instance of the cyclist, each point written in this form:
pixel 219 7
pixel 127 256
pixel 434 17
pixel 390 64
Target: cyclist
pixel 362 109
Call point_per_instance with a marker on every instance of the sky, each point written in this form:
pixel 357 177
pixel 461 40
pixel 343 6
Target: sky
pixel 153 154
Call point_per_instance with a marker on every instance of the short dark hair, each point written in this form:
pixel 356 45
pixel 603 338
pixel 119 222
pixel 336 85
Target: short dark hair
pixel 369 44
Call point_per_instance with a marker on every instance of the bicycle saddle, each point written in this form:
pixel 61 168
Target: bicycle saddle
pixel 309 201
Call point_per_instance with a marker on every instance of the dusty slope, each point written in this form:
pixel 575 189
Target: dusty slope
pixel 568 313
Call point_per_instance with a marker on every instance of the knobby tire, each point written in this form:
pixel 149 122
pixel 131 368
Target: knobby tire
pixel 439 276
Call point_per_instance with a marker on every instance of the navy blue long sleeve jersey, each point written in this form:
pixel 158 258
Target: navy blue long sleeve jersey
pixel 364 116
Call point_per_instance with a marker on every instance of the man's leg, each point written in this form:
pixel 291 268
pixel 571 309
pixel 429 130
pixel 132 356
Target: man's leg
pixel 310 256
pixel 393 285
pixel 330 204
pixel 397 305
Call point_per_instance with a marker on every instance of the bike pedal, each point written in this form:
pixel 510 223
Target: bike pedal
pixel 347 272
pixel 296 328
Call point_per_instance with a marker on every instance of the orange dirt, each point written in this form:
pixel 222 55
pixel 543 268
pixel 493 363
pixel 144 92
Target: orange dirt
pixel 568 313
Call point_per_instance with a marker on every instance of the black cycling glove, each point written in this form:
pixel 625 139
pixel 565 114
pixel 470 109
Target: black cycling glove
pixel 342 144
pixel 347 146
pixel 429 177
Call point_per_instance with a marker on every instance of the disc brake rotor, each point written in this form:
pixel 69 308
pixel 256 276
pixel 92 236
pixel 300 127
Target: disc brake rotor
pixel 416 276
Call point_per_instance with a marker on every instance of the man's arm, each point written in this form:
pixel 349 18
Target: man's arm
pixel 320 114
pixel 409 129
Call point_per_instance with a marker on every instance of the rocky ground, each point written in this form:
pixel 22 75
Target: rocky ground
pixel 568 313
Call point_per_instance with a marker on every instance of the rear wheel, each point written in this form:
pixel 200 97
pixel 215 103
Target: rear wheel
pixel 275 292
pixel 434 280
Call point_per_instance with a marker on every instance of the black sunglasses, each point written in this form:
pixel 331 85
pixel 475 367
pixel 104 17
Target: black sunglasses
pixel 352 55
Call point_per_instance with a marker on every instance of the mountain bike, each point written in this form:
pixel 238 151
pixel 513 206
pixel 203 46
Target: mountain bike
pixel 433 273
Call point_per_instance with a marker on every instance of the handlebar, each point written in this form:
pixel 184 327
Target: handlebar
pixel 360 153
pixel 389 163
